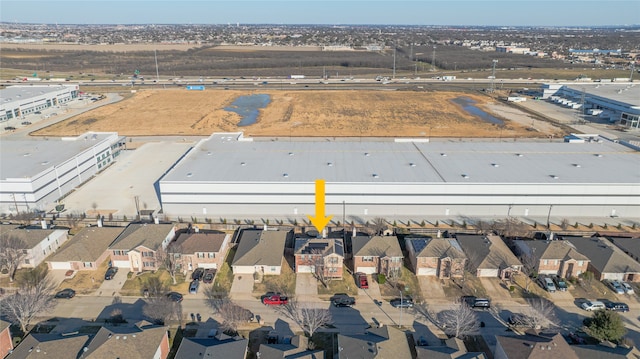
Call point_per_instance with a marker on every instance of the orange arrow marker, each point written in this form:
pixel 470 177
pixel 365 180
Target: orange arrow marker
pixel 320 221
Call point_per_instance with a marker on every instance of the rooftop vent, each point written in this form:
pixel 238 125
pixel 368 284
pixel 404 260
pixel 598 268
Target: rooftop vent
pixel 285 175
pixel 366 154
pixel 375 175
pixel 189 174
pixel 495 165
pixel 243 164
pixel 330 164
pixel 44 163
pixel 443 154
pixel 598 155
pixel 209 153
pixel 27 154
pixel 519 154
pixel 554 176
pixel 465 176
pixel 290 153
pixel 412 164
pixel 576 165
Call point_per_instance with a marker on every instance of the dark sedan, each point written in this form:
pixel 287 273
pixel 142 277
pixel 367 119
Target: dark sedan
pixel 175 296
pixel 111 272
pixel 66 293
pixel 197 274
pixel 402 303
pixel 617 306
pixel 208 276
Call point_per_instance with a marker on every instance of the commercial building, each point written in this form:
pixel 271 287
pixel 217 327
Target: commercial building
pixel 618 102
pixel 229 176
pixel 34 174
pixel 17 101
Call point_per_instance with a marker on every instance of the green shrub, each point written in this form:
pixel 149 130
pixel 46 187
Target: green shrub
pixel 382 279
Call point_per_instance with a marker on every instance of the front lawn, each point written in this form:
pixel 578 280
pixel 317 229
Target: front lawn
pixel 346 285
pixel 407 282
pixel 86 281
pixel 224 276
pixel 285 282
pixel 135 284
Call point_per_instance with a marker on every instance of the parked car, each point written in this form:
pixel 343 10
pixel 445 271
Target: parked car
pixel 26 123
pixel 208 276
pixel 617 306
pixel 615 286
pixel 198 273
pixel 361 281
pixel 342 300
pixel 9 128
pixel 175 296
pixel 405 302
pixel 193 287
pixel 592 305
pixel 274 299
pixel 111 272
pixel 561 285
pixel 627 288
pixel 475 302
pixel 66 293
pixel 547 284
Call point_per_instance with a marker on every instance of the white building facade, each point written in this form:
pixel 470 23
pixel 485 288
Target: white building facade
pixel 18 100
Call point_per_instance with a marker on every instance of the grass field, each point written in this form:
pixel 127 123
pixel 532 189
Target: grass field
pixel 336 113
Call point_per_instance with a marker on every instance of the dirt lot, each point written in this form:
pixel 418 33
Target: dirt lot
pixel 297 113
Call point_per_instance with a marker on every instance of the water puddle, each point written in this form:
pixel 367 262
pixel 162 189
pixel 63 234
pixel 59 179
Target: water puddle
pixel 248 107
pixel 467 105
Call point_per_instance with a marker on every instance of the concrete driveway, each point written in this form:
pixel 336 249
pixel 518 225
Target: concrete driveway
pixel 494 289
pixel 431 287
pixel 306 287
pixel 242 286
pixel 110 288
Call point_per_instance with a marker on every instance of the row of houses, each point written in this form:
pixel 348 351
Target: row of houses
pixel 138 247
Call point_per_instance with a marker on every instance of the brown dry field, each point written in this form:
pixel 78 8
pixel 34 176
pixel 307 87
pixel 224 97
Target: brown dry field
pixel 292 113
pixel 102 48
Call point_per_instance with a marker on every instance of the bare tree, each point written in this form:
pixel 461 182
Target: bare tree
pixel 232 315
pixel 539 315
pixel 378 226
pixel 29 300
pixel 528 269
pixel 308 317
pixel 162 309
pixel 459 321
pixel 12 253
pixel 170 259
pixel 216 297
pixel 155 287
pixel 315 260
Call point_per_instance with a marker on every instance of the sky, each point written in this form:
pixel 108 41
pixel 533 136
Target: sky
pixel 328 12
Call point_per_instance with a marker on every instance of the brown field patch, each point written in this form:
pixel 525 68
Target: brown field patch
pixel 103 47
pixel 292 113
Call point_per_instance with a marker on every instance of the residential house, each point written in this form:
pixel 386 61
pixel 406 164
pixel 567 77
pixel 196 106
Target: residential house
pixel 138 248
pixel 379 254
pixel 201 249
pixel 37 242
pixel 606 260
pixel 295 349
pixel 440 257
pixel 324 256
pixel 35 346
pixel 606 351
pixel 629 245
pixel 143 342
pixel 453 348
pixel 489 256
pixel 530 346
pixel 559 258
pixel 380 343
pixel 215 345
pixel 86 250
pixel 260 251
pixel 6 341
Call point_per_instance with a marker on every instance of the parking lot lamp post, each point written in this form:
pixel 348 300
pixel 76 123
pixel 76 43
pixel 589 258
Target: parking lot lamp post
pixel 549 217
pixel 401 305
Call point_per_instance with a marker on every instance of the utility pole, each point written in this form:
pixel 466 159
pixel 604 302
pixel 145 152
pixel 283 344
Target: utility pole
pixel 394 60
pixel 433 59
pixel 493 76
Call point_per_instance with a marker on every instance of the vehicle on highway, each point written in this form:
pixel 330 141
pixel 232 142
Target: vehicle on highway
pixel 66 293
pixel 627 287
pixel 111 272
pixel 405 302
pixel 175 296
pixel 271 298
pixel 361 281
pixel 208 276
pixel 615 286
pixel 592 305
pixel 475 302
pixel 342 300
pixel 193 287
pixel 560 283
pixel 198 273
pixel 617 306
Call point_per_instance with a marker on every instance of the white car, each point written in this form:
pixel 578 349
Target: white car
pixel 593 305
pixel 627 288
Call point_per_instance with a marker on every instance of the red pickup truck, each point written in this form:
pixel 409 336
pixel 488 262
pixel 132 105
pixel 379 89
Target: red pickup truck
pixel 361 281
pixel 274 299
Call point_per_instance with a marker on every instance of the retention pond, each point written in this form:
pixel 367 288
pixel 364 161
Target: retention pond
pixel 468 105
pixel 248 107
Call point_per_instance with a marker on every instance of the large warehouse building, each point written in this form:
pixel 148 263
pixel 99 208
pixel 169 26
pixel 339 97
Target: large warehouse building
pixel 229 176
pixel 34 174
pixel 17 101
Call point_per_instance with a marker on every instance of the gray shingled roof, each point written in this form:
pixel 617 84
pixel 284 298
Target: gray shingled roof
pixel 487 252
pixel 325 245
pixel 124 342
pixel 631 246
pixel 604 352
pixel 194 348
pixel 454 348
pixel 536 347
pixel 36 346
pixel 605 256
pixel 297 349
pixel 142 234
pixel 437 247
pixel 377 246
pixel 258 247
pixel 562 250
pixel 87 245
pixel 191 243
pixel 379 343
pixel 31 236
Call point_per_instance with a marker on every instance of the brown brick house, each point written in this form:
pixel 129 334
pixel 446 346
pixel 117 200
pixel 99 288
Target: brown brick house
pixel 201 250
pixel 559 258
pixel 379 254
pixel 138 247
pixel 86 250
pixel 440 257
pixel 319 254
